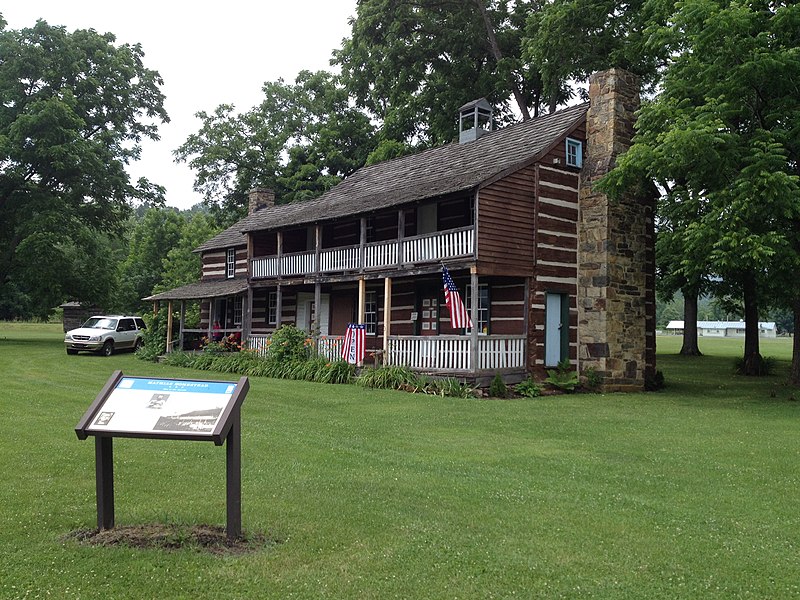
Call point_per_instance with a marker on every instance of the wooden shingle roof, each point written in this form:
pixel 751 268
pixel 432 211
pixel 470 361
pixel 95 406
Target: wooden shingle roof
pixel 203 289
pixel 434 172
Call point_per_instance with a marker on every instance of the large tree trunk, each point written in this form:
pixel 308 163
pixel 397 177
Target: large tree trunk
pixel 690 347
pixel 794 375
pixel 752 356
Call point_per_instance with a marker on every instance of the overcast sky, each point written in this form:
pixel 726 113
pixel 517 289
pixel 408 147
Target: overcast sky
pixel 208 54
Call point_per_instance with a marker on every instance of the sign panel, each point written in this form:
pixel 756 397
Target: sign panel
pixel 167 408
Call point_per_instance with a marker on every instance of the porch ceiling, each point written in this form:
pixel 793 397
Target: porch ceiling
pixel 203 289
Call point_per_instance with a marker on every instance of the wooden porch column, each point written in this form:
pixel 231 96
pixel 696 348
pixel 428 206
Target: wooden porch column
pixel 210 318
pixel 169 327
pixel 317 319
pixel 362 244
pixel 182 324
pixel 473 314
pixel 155 307
pixel 278 306
pixel 401 234
pixel 387 316
pixel 279 241
pixel 317 247
pixel 247 317
pixel 362 305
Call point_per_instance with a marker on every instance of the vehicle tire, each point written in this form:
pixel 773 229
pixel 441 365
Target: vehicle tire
pixel 71 351
pixel 107 349
pixel 139 344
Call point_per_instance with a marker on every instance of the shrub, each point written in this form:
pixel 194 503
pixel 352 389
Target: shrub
pixel 392 378
pixel 289 343
pixel 765 366
pixel 154 337
pixel 653 383
pixel 593 379
pixel 498 387
pixel 448 386
pixel 528 388
pixel 562 377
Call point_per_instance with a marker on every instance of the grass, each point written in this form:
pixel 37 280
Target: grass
pixel 686 493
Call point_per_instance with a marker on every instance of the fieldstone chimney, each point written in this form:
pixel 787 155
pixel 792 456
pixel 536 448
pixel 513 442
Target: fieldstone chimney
pixel 259 198
pixel 616 253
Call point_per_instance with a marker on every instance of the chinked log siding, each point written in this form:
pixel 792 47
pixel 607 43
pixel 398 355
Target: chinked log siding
pixel 506 224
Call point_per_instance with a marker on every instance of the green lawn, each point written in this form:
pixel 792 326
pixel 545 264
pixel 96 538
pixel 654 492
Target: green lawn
pixel 686 493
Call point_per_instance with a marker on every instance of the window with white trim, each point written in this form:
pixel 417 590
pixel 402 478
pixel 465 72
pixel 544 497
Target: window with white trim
pixel 574 153
pixel 230 263
pixel 238 305
pixel 371 312
pixel 483 306
pixel 272 308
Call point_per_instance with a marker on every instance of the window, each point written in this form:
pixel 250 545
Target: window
pixel 231 263
pixel 272 308
pixel 574 153
pixel 371 312
pixel 237 311
pixel 483 306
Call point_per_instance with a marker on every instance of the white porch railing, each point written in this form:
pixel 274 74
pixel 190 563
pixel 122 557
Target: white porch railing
pixel 453 352
pixel 330 347
pixel 431 247
pixel 437 246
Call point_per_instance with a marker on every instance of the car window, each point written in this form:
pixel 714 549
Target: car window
pixel 140 323
pixel 126 325
pixel 101 323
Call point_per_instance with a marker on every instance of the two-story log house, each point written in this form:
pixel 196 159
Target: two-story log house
pixel 499 208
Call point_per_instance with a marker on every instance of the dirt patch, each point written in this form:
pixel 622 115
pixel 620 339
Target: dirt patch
pixel 206 538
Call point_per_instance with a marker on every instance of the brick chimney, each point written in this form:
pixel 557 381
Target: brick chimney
pixel 616 255
pixel 259 198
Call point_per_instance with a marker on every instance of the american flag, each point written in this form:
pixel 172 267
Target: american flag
pixel 459 317
pixel 354 343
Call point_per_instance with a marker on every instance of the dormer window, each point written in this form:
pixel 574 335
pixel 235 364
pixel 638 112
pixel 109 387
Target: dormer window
pixel 230 263
pixel 574 153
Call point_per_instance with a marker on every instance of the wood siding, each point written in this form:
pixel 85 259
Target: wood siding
pixel 215 264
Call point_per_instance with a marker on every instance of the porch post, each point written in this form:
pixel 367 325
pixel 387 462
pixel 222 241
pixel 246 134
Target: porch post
pixel 278 306
pixel 279 242
pixel 155 307
pixel 182 324
pixel 387 317
pixel 247 317
pixel 210 316
pixel 362 244
pixel 317 319
pixel 169 327
pixel 317 248
pixel 362 305
pixel 401 233
pixel 473 314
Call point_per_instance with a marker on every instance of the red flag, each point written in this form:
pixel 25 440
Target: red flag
pixel 459 318
pixel 355 341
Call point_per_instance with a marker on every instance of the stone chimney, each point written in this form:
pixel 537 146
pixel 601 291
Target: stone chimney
pixel 259 198
pixel 616 254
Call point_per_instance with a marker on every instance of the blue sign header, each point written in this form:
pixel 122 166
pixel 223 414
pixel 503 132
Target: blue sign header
pixel 176 385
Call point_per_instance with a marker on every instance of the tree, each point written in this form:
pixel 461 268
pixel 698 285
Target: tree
pixel 75 107
pixel 571 39
pixel 152 238
pixel 412 64
pixel 725 127
pixel 300 141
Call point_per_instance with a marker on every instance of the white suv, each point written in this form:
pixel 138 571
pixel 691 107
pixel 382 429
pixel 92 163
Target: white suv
pixel 105 334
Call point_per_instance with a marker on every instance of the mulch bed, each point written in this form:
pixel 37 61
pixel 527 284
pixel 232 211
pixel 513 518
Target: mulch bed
pixel 206 538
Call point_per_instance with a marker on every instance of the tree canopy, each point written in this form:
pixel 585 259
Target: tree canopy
pixel 300 141
pixel 75 107
pixel 724 130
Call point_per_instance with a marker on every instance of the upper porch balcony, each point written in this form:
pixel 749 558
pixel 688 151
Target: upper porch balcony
pixel 374 256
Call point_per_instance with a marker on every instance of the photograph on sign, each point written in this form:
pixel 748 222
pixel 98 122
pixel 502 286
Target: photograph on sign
pixel 144 405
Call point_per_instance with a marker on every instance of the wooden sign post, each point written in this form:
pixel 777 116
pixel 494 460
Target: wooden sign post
pixel 170 409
